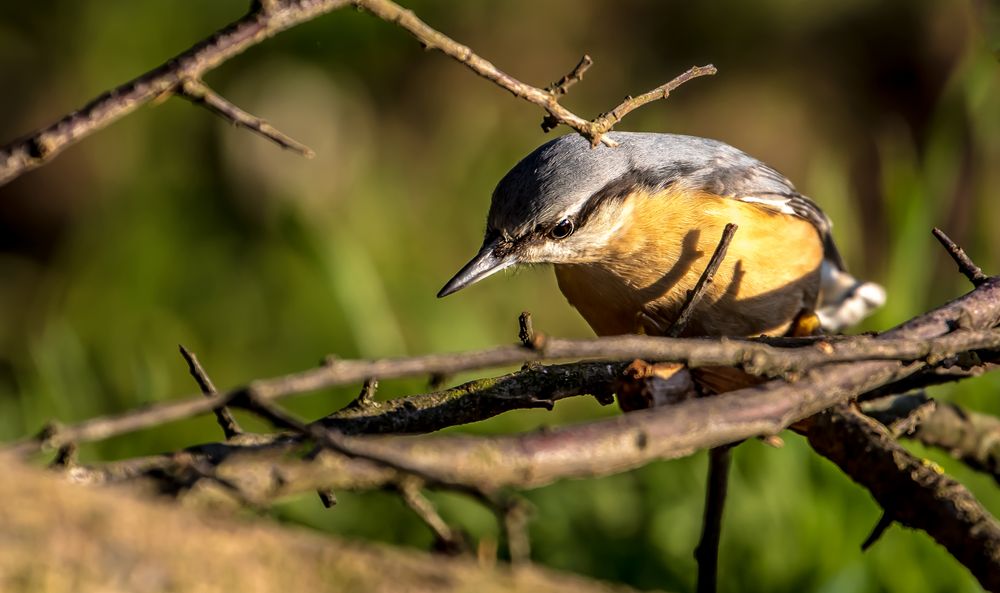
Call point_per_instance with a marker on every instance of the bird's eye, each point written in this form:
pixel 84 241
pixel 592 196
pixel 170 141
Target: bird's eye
pixel 562 230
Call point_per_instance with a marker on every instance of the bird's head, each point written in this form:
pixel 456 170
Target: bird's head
pixel 564 203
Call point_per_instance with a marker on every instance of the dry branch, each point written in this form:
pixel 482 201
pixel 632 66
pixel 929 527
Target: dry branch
pixel 932 343
pixel 227 423
pixel 707 552
pixel 182 75
pixel 971 437
pixel 912 492
pixel 616 444
pixel 200 94
pixel 965 264
pixel 485 464
pixel 695 295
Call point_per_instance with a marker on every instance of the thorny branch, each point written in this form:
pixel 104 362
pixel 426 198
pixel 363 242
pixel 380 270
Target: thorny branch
pixel 182 76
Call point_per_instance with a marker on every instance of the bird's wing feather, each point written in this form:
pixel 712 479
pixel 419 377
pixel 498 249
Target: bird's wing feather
pixel 746 179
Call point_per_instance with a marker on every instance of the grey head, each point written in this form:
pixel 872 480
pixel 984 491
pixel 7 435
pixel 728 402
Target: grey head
pixel 563 202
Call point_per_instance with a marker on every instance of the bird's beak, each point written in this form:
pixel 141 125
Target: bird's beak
pixel 490 260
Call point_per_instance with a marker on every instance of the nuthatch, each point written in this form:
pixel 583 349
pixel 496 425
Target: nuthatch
pixel 630 230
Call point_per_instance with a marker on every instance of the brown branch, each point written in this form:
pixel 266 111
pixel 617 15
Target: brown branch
pixel 514 523
pixel 41 146
pixel 446 538
pixel 894 348
pixel 695 295
pixel 707 552
pixel 608 120
pixel 912 492
pixel 183 73
pixel 199 93
pixel 965 264
pixel 230 427
pixel 562 86
pixel 538 387
pixel 592 130
pixel 971 437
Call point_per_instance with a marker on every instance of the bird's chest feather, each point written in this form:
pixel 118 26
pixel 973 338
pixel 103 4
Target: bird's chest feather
pixel 770 273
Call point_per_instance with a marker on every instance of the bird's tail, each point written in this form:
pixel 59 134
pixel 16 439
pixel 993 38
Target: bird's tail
pixel 845 300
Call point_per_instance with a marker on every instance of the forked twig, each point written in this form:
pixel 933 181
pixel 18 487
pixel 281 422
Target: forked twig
pixel 182 75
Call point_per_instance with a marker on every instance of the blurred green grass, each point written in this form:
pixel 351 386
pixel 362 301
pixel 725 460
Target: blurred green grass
pixel 171 227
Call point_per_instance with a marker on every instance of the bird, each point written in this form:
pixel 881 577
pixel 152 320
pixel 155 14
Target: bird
pixel 629 226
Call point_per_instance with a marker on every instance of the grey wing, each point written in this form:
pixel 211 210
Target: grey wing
pixel 844 300
pixel 750 180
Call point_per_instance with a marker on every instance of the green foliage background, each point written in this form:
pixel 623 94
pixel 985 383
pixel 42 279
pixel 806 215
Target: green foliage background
pixel 171 227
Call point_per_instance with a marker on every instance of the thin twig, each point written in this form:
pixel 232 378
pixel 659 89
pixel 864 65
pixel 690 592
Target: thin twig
pixel 592 130
pixel 366 398
pixel 608 120
pixel 707 552
pixel 447 538
pixel 66 457
pixel 562 86
pixel 266 19
pixel 695 295
pixel 230 427
pixel 41 146
pixel 965 264
pixel 514 514
pixel 199 93
pixel 754 357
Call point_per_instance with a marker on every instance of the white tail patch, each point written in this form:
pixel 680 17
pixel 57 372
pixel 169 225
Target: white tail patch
pixel 844 300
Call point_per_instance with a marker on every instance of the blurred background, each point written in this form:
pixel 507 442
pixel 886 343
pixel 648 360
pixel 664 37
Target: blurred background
pixel 173 227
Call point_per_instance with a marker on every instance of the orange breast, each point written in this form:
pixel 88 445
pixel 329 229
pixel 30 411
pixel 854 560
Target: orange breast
pixel 770 273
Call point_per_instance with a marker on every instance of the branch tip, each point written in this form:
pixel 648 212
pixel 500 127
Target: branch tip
pixel 199 93
pixel 965 264
pixel 230 427
pixel 562 86
pixel 366 398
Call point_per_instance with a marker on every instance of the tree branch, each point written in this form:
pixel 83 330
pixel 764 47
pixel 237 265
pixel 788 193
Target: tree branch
pixel 183 74
pixel 104 540
pixel 695 295
pixel 934 344
pixel 43 145
pixel 965 264
pixel 199 93
pixel 911 491
pixel 229 426
pixel 707 552
pixel 971 437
